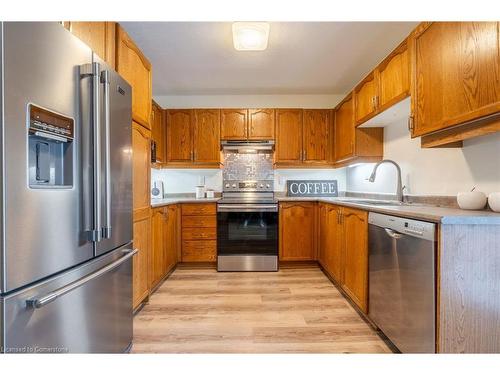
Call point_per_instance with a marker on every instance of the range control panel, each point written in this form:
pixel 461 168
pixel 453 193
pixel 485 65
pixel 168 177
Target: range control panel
pixel 257 185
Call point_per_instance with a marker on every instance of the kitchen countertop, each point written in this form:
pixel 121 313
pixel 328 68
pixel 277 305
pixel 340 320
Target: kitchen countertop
pixel 158 202
pixel 443 215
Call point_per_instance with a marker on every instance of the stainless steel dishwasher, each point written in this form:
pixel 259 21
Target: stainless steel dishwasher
pixel 402 281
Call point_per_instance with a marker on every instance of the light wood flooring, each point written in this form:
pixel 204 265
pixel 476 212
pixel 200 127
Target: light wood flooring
pixel 198 310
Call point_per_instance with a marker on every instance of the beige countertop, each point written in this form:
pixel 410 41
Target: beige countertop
pixel 158 202
pixel 443 215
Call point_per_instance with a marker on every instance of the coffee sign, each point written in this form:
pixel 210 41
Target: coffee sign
pixel 311 188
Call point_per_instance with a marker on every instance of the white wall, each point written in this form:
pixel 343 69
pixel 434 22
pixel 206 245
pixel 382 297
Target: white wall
pixel 431 171
pixel 184 180
pixel 249 101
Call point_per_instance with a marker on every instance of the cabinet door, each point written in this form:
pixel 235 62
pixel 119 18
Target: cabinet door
pixel 316 136
pixel 288 136
pixel 297 223
pixel 233 124
pixel 261 124
pixel 206 136
pixel 456 74
pixel 322 233
pixel 158 132
pixel 344 130
pixel 172 239
pixel 99 36
pixel 141 261
pixel 141 159
pixel 334 260
pixel 394 77
pixel 132 65
pixel 158 249
pixel 365 98
pixel 355 282
pixel 179 136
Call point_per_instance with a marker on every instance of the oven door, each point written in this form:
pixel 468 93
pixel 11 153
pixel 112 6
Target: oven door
pixel 247 229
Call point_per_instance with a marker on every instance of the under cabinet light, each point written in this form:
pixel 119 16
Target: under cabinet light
pixel 250 36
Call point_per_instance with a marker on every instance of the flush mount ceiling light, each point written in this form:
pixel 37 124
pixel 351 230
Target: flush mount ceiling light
pixel 250 36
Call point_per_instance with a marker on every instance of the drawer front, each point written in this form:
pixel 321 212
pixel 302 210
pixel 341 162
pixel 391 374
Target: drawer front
pixel 199 251
pixel 199 233
pixel 202 221
pixel 199 209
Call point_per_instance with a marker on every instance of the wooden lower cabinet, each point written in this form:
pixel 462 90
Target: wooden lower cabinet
pixel 173 242
pixel 330 246
pixel 199 232
pixel 355 241
pixel 297 231
pixel 343 249
pixel 141 261
pixel 165 242
pixel 158 223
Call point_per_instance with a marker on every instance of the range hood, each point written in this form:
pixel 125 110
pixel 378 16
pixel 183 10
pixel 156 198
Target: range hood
pixel 248 147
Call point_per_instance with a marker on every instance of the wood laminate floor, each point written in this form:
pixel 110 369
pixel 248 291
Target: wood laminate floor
pixel 198 310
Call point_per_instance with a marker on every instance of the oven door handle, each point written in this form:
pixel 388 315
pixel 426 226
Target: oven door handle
pixel 247 208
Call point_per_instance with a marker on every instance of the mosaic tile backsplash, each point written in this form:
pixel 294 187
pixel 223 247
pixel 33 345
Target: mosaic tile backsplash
pixel 248 166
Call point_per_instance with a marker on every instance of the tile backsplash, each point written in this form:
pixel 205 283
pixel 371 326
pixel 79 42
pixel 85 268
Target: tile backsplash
pixel 185 180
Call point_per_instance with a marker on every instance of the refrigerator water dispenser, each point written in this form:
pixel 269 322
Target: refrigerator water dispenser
pixel 50 151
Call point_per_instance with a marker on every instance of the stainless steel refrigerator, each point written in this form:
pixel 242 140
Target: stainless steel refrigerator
pixel 66 210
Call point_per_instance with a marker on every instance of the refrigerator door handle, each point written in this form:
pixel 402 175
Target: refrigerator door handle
pixel 37 303
pixel 92 70
pixel 105 80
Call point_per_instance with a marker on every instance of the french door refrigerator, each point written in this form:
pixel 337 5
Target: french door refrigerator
pixel 66 210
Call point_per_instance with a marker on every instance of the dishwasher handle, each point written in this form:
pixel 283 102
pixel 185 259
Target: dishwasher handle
pixel 393 234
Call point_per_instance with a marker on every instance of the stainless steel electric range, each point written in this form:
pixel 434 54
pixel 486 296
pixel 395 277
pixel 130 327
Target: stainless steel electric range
pixel 247 214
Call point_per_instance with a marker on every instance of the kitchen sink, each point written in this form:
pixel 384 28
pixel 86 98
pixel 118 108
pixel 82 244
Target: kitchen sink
pixel 374 202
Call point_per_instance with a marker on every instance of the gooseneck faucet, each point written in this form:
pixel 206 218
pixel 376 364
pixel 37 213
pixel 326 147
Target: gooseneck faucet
pixel 399 187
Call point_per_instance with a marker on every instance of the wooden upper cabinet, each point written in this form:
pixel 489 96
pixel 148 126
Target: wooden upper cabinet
pixel 99 36
pixel 456 74
pixel 365 98
pixel 179 135
pixel 344 130
pixel 141 161
pixel 355 230
pixel 158 132
pixel 316 132
pixel 288 136
pixel 206 141
pixel 132 65
pixel 261 124
pixel 394 77
pixel 233 124
pixel 297 223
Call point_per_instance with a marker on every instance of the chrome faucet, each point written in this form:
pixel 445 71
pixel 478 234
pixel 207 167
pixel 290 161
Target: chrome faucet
pixel 399 187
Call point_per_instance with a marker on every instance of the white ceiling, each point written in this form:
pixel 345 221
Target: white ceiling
pixel 198 58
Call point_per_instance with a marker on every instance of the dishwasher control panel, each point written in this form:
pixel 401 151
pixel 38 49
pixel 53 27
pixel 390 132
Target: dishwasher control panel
pixel 415 228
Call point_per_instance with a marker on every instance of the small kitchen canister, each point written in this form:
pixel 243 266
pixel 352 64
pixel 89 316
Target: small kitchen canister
pixel 210 193
pixel 494 201
pixel 200 192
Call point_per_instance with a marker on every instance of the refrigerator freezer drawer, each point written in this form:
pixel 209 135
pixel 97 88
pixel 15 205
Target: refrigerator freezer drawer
pixel 84 310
